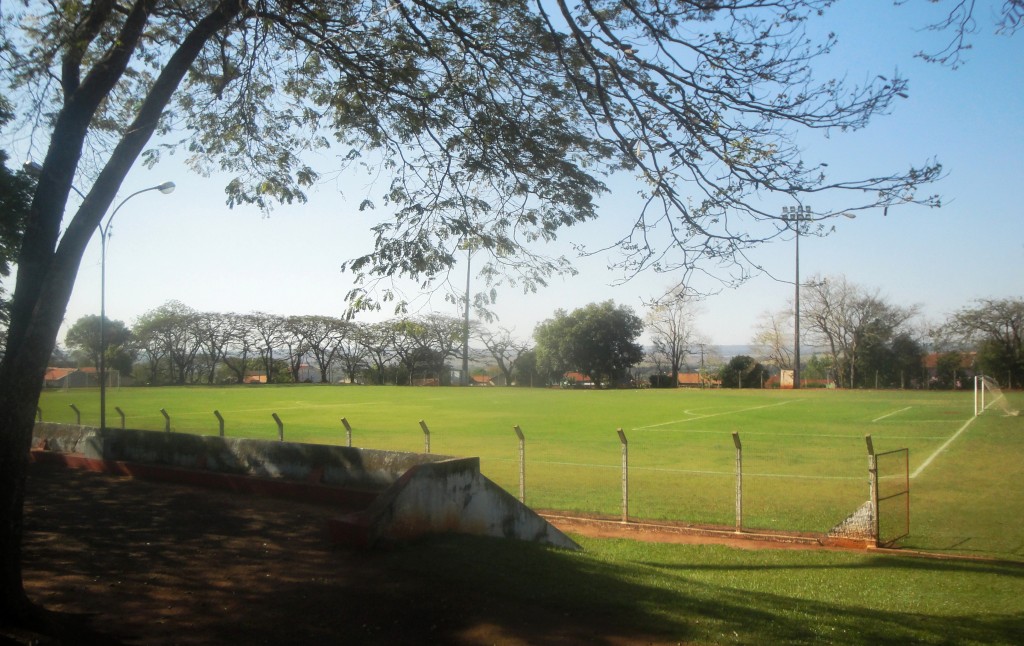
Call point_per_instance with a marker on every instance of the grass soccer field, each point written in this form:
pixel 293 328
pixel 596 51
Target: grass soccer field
pixel 805 461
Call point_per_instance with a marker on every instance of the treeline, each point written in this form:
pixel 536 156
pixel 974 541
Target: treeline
pixel 175 344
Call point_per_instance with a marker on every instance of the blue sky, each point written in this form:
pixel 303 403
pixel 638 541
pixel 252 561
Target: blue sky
pixel 190 247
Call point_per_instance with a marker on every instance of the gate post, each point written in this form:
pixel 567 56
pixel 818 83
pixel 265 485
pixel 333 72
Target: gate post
pixel 873 487
pixel 426 436
pixel 280 427
pixel 739 481
pixel 625 476
pixel 522 463
pixel 348 431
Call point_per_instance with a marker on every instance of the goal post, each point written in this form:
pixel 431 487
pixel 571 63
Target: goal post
pixel 988 394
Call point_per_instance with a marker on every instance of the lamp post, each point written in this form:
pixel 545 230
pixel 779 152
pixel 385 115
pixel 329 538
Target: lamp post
pixel 165 188
pixel 465 323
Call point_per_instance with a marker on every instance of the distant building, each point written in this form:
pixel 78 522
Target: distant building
pixel 576 380
pixel 71 378
pixel 696 380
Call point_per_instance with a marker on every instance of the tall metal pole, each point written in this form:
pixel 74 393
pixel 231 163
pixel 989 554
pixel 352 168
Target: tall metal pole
pixel 796 215
pixel 796 303
pixel 165 188
pixel 103 317
pixel 465 326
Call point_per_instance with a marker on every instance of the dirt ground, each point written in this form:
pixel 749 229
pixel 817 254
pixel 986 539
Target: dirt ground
pixel 153 563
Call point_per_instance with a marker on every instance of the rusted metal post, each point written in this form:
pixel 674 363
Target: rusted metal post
pixel 522 463
pixel 167 420
pixel 426 436
pixel 280 427
pixel 220 421
pixel 121 413
pixel 78 414
pixel 739 481
pixel 625 476
pixel 348 431
pixel 873 487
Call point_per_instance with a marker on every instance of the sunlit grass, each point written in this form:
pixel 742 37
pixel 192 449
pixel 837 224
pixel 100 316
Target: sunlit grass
pixel 804 453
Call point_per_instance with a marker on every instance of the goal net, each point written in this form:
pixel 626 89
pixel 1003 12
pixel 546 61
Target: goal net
pixel 989 396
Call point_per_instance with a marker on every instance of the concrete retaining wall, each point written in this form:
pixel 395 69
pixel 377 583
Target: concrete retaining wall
pixel 414 493
pixel 340 465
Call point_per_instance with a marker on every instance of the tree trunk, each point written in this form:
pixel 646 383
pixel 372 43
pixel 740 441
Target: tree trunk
pixel 47 271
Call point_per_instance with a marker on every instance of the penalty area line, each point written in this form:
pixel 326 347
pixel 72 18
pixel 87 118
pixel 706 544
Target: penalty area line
pixel 895 412
pixel 942 448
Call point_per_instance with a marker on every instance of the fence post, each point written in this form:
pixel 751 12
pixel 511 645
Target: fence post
pixel 625 476
pixel 280 427
pixel 220 422
pixel 739 481
pixel 873 487
pixel 121 413
pixel 426 436
pixel 348 431
pixel 522 463
pixel 78 415
pixel 167 420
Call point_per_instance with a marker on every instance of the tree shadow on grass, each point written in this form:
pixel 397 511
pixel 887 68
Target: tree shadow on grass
pixel 162 564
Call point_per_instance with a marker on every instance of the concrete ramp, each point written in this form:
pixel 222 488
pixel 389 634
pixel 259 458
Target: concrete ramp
pixel 384 495
pixel 449 496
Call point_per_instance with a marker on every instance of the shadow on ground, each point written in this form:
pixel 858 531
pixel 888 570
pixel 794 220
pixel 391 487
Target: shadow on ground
pixel 163 564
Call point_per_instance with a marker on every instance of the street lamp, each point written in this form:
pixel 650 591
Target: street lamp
pixel 165 188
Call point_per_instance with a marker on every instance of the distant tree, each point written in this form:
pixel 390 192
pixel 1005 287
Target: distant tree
pixel 995 328
pixel 270 333
pixel 599 340
pixel 743 372
pixel 352 350
pixel 773 338
pixel 850 320
pixel 323 336
pixel 242 342
pixel 505 349
pixel 671 322
pixel 215 334
pixel 83 339
pixel 171 331
pixel 527 374
pixel 819 367
pixel 379 341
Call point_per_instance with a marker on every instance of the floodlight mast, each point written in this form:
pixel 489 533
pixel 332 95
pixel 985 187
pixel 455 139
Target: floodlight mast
pixel 795 215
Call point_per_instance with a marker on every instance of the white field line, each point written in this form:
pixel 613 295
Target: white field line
pixel 729 412
pixel 686 471
pixel 895 412
pixel 692 431
pixel 942 448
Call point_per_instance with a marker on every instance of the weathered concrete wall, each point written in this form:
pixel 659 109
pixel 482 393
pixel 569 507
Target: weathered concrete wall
pixel 449 496
pixel 416 493
pixel 340 465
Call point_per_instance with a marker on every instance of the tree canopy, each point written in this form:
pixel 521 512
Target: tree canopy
pixel 598 340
